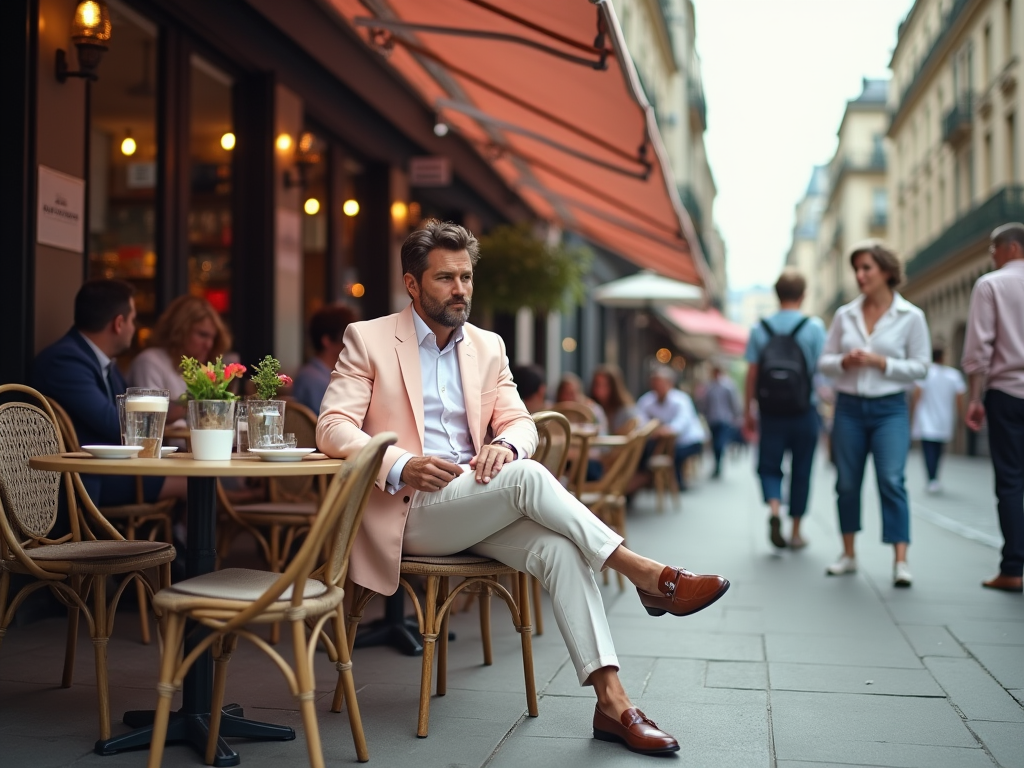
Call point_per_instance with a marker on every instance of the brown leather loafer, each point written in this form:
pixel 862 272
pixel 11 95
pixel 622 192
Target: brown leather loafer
pixel 1005 583
pixel 683 593
pixel 637 731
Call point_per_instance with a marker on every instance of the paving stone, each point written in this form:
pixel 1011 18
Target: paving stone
pixel 991 632
pixel 555 752
pixel 1004 662
pixel 828 678
pixel 932 641
pixel 681 642
pixel 633 674
pixel 973 690
pixel 1018 695
pixel 1004 740
pixel 888 650
pixel 736 674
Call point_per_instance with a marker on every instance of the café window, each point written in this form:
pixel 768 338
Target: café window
pixel 122 164
pixel 210 228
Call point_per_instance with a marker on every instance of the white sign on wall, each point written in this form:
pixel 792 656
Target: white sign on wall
pixel 430 171
pixel 60 215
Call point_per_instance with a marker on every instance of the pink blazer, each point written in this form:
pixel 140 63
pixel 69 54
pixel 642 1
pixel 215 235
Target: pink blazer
pixel 376 387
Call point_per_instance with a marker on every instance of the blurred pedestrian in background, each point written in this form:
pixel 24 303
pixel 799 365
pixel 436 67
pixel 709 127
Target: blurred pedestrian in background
pixel 189 327
pixel 994 361
pixel 877 347
pixel 935 404
pixel 533 389
pixel 608 390
pixel 783 351
pixel 678 416
pixel 570 390
pixel 327 335
pixel 722 411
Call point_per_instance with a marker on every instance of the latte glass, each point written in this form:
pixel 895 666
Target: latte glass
pixel 145 412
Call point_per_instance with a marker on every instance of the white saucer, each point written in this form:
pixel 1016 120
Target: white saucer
pixel 281 454
pixel 113 451
pixel 167 450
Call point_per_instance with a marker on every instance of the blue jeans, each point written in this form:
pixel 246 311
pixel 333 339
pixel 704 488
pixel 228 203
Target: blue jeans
pixel 799 436
pixel 932 450
pixel 879 426
pixel 721 435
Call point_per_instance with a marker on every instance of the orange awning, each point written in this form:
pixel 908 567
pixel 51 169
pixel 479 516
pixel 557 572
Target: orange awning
pixel 547 93
pixel 731 337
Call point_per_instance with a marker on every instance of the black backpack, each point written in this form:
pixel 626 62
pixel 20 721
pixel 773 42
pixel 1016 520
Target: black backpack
pixel 783 381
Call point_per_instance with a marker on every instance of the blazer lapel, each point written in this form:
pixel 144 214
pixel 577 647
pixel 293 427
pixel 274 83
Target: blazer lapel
pixel 409 361
pixel 470 373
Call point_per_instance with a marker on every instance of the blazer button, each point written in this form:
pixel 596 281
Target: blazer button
pixel 406 499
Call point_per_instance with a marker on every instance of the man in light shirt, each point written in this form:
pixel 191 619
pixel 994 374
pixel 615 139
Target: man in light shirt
pixel 456 479
pixel 994 360
pixel 935 403
pixel 677 414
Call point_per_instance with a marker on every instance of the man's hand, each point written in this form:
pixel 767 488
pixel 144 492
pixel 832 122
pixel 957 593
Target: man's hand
pixel 975 417
pixel 489 461
pixel 749 426
pixel 429 473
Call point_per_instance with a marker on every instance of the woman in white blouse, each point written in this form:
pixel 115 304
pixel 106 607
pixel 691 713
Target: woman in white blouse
pixel 877 347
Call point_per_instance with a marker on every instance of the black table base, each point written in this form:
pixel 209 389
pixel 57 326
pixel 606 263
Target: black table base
pixel 194 730
pixel 396 629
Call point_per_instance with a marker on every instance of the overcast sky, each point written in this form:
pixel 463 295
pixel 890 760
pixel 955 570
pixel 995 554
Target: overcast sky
pixel 777 75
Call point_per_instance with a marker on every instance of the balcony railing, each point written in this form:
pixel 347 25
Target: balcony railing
pixel 956 127
pixel 975 227
pixel 862 162
pixel 878 220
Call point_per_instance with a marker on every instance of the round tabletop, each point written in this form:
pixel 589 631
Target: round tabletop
pixel 183 465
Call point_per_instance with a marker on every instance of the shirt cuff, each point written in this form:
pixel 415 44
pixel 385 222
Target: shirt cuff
pixel 888 366
pixel 393 483
pixel 515 448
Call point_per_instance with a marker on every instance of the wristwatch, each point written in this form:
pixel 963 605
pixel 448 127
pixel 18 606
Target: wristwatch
pixel 507 444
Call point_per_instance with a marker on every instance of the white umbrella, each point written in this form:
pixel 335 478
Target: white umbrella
pixel 645 290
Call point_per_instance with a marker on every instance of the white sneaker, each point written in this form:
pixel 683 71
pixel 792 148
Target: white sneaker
pixel 842 566
pixel 901 575
pixel 934 486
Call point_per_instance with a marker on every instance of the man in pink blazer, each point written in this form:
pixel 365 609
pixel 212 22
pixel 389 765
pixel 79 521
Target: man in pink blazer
pixel 455 482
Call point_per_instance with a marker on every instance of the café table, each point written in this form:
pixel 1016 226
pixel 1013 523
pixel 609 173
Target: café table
pixel 191 723
pixel 584 437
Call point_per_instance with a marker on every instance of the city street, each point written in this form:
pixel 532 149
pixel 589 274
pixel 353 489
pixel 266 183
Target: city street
pixel 790 669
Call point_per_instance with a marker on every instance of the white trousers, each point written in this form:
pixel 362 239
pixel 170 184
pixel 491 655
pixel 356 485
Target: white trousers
pixel 525 519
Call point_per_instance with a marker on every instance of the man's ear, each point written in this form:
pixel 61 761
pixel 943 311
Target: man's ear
pixel 411 286
pixel 117 324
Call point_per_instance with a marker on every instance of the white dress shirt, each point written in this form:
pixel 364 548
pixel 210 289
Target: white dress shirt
pixel 445 426
pixel 900 336
pixel 676 412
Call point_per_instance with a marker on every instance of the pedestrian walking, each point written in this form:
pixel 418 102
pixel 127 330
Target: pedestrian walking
pixel 935 405
pixel 877 347
pixel 782 354
pixel 994 361
pixel 722 410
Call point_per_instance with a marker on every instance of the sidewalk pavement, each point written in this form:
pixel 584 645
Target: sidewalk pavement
pixel 789 669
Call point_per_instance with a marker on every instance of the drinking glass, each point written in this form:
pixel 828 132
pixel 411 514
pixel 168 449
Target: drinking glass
pixel 145 412
pixel 241 427
pixel 289 440
pixel 120 415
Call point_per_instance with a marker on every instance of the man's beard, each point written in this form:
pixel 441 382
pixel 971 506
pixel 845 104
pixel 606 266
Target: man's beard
pixel 444 313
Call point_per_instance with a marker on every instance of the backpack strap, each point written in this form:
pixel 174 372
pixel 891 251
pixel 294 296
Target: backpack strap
pixel 799 325
pixel 767 328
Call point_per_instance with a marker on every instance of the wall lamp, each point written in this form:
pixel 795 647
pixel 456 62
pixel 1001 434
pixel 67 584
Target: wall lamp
pixel 90 32
pixel 307 154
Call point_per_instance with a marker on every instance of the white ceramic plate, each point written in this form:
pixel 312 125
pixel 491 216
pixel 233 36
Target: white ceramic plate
pixel 281 454
pixel 167 450
pixel 113 451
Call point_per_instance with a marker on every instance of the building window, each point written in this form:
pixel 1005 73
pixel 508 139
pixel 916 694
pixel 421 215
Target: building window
pixel 986 52
pixel 1007 30
pixel 1013 151
pixel 989 172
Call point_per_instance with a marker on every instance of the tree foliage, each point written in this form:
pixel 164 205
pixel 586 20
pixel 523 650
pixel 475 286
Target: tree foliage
pixel 516 269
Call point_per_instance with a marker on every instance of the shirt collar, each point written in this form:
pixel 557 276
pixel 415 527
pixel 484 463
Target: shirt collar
pixel 423 333
pixel 1014 264
pixel 104 361
pixel 899 304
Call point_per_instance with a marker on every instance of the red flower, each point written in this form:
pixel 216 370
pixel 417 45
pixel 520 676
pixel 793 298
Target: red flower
pixel 286 380
pixel 232 370
pixel 211 375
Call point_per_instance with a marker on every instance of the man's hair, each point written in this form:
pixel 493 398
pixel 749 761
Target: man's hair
pixel 100 301
pixel 176 323
pixel 330 321
pixel 664 372
pixel 937 354
pixel 1009 233
pixel 529 379
pixel 886 260
pixel 432 235
pixel 791 285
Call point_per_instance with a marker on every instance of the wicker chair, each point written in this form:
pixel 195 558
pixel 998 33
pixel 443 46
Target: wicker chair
pixel 74 567
pixel 606 497
pixel 155 518
pixel 226 601
pixel 662 466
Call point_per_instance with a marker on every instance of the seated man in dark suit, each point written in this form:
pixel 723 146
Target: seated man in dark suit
pixel 79 372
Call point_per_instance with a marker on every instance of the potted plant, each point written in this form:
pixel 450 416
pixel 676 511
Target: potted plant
pixel 265 414
pixel 211 407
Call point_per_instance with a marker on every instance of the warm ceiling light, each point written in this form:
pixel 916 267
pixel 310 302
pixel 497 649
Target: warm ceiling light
pixel 350 207
pixel 440 128
pixel 663 355
pixel 569 344
pixel 358 289
pixel 90 32
pixel 311 206
pixel 128 146
pixel 228 141
pixel 284 142
pixel 399 211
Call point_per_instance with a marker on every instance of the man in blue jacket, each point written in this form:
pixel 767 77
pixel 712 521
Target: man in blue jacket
pixel 79 372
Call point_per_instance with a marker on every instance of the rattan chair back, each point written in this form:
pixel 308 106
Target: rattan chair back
pixel 553 438
pixel 29 497
pixel 626 463
pixel 576 413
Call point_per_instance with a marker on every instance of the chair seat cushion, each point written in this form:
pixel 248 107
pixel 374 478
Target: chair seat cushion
pixel 446 560
pixel 307 508
pixel 244 584
pixel 660 462
pixel 95 550
pixel 453 565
